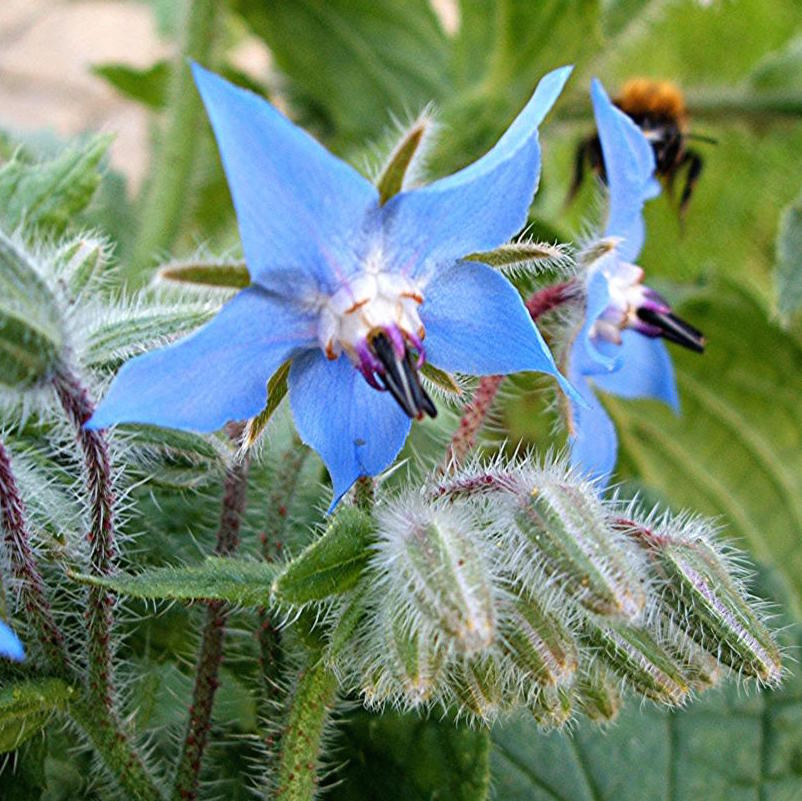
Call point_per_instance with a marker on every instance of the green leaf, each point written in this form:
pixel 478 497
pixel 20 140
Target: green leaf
pixel 26 707
pixel 788 268
pixel 238 581
pixel 148 85
pixel 727 747
pixel 349 63
pixel 736 449
pixel 332 564
pixel 50 193
pixel 31 338
pixel 395 757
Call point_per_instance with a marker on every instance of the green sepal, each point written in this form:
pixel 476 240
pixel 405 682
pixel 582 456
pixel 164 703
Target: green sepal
pixel 239 581
pixel 332 564
pixel 218 274
pixel 552 707
pixel 391 180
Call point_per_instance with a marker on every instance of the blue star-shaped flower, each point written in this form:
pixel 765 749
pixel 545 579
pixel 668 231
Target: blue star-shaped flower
pixel 10 646
pixel 356 293
pixel 618 348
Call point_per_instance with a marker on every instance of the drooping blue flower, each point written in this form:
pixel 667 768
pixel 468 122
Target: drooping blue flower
pixel 356 293
pixel 10 646
pixel 618 348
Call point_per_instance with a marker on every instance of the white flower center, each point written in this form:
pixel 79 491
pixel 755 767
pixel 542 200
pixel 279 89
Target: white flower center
pixel 627 294
pixel 372 303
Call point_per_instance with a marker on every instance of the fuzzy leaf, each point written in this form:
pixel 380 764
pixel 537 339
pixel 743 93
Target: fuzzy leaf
pixel 30 335
pixel 398 757
pixel 332 564
pixel 226 275
pixel 788 268
pixel 238 581
pixel 148 85
pixel 49 194
pixel 26 707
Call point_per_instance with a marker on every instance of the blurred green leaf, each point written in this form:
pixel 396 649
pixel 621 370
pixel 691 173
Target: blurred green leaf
pixel 148 85
pixel 349 63
pixel 736 449
pixel 26 707
pixel 238 581
pixel 395 757
pixel 50 193
pixel 788 269
pixel 781 68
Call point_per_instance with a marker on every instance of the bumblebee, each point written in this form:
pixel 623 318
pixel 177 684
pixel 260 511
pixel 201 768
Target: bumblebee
pixel 658 109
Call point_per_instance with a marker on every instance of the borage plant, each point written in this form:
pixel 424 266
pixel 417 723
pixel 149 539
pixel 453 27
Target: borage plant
pixel 464 587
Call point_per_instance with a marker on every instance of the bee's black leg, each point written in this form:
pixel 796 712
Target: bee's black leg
pixel 695 165
pixel 580 155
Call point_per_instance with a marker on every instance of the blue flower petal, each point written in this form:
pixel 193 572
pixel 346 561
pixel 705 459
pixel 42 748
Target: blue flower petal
pixel 217 374
pixel 476 323
pixel 586 358
pixel 629 165
pixel 356 429
pixel 645 370
pixel 10 646
pixel 479 207
pixel 593 440
pixel 298 206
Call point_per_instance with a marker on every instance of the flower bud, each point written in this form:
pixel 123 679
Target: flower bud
pixel 598 695
pixel 31 338
pixel 705 600
pixel 479 688
pixel 419 661
pixel 431 568
pixel 552 707
pixel 539 645
pixel 81 261
pixel 567 531
pixel 637 657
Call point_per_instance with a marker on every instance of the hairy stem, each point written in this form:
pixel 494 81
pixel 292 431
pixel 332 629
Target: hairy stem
pixel 115 750
pixel 281 495
pixel 211 650
pixel 478 408
pixel 172 168
pixel 79 407
pixel 24 567
pixel 299 758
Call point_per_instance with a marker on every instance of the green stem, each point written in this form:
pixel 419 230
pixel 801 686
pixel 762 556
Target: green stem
pixel 116 751
pixel 172 169
pixel 299 759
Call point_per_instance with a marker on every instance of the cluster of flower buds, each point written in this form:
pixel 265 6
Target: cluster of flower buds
pixel 518 587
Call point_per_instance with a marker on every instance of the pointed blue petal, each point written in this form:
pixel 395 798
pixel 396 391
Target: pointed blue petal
pixel 645 370
pixel 476 323
pixel 629 165
pixel 356 429
pixel 593 440
pixel 298 206
pixel 217 374
pixel 10 646
pixel 479 207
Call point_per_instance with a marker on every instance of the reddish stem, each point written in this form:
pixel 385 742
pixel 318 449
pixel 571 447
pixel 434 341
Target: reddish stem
pixel 24 567
pixel 79 407
pixel 211 651
pixel 476 411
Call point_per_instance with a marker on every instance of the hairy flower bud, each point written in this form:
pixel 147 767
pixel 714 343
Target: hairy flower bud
pixel 705 600
pixel 81 261
pixel 635 655
pixel 552 707
pixel 598 695
pixel 540 646
pixel 431 569
pixel 568 533
pixel 419 661
pixel 479 687
pixel 31 339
